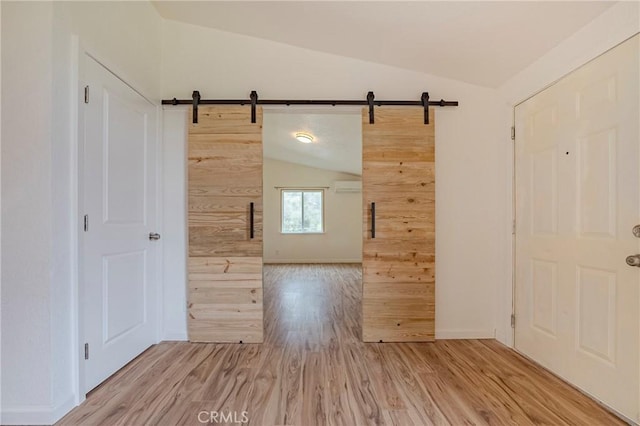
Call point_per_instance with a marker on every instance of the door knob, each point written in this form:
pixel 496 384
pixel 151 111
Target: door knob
pixel 153 236
pixel 633 260
pixel 636 231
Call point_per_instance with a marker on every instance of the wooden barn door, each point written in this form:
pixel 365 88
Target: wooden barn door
pixel 398 177
pixel 225 255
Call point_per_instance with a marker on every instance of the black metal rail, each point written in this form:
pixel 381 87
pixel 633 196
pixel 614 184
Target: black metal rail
pixel 253 100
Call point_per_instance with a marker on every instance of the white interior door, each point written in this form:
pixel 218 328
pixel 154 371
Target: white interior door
pixel 577 201
pixel 119 198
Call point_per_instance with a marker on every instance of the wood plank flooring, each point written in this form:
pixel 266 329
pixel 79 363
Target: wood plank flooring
pixel 313 369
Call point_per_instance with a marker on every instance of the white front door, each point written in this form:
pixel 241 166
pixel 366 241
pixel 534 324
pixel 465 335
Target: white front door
pixel 119 198
pixel 577 202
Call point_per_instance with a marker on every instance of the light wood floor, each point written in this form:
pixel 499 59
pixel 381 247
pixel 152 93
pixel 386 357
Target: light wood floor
pixel 313 370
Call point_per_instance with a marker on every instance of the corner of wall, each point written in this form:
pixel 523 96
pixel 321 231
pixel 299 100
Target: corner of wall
pixel 616 24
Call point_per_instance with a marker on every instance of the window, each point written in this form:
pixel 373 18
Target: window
pixel 302 211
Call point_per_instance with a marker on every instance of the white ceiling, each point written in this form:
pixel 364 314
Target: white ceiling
pixel 337 133
pixel 483 43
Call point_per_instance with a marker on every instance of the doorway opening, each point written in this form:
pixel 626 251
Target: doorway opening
pixel 313 224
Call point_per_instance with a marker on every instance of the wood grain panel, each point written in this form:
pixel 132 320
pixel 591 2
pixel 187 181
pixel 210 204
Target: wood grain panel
pixel 203 295
pixel 204 241
pixel 208 200
pixel 229 221
pixel 410 272
pixel 236 265
pixel 225 299
pixel 215 171
pixel 398 161
pixel 226 120
pixel 225 263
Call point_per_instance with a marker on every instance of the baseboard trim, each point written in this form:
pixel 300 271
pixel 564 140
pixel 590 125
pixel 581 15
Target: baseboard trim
pixel 26 415
pixel 175 336
pixel 506 340
pixel 36 414
pixel 465 334
pixel 279 261
pixel 61 410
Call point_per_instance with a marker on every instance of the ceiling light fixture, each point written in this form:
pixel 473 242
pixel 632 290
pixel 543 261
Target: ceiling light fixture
pixel 304 137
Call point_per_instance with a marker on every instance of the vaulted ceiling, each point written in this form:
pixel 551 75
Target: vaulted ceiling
pixel 479 42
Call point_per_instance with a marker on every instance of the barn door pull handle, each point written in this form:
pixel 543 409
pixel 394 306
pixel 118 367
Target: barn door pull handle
pixel 373 220
pixel 251 233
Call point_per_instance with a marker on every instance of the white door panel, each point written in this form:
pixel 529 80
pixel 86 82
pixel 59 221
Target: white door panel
pixel 577 200
pixel 119 188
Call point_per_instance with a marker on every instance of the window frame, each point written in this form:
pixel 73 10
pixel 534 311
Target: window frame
pixel 302 190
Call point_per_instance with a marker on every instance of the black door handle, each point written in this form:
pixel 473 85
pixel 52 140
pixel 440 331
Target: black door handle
pixel 373 220
pixel 251 233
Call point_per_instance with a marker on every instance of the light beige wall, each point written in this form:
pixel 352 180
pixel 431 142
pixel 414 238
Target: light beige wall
pixel 342 239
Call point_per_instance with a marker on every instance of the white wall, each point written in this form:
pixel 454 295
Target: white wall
pixel 39 220
pixel 26 203
pixel 615 25
pixel 342 237
pixel 0 212
pixel 471 177
pixel 174 232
